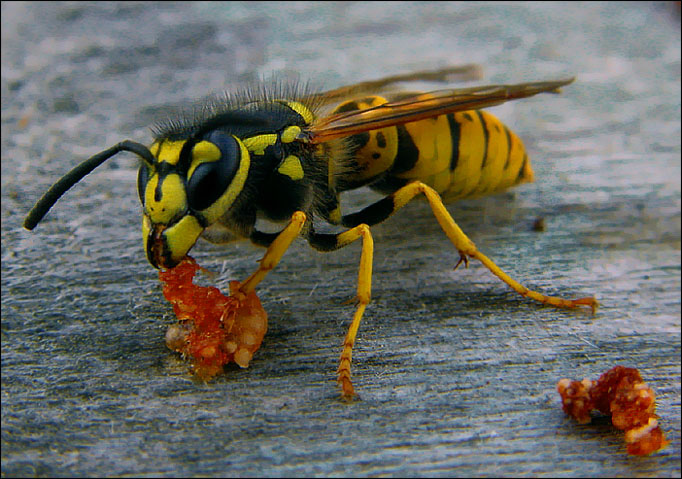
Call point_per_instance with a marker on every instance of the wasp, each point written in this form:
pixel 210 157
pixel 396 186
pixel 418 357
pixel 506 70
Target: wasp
pixel 286 155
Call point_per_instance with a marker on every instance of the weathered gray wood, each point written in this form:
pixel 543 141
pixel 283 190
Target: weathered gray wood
pixel 455 372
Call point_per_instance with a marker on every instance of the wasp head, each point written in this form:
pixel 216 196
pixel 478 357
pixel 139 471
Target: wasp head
pixel 190 185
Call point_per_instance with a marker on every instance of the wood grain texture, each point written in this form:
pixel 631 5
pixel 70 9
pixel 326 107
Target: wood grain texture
pixel 456 374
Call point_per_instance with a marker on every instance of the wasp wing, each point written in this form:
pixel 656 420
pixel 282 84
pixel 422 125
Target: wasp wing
pixel 422 106
pixel 444 75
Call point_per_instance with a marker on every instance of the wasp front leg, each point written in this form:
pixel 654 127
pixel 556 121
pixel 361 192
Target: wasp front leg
pixel 278 244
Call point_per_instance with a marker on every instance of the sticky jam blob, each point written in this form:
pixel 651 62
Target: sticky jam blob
pixel 212 329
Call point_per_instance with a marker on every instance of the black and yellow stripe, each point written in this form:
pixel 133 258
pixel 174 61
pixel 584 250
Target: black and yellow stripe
pixel 460 155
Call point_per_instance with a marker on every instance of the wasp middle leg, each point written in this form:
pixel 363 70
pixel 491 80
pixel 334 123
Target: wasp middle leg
pixel 331 242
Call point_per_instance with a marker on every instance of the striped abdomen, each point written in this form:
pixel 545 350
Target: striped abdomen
pixel 460 155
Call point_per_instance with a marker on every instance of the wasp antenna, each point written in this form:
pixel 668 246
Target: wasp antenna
pixel 48 200
pixel 560 83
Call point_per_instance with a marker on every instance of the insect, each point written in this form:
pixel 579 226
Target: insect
pixel 287 155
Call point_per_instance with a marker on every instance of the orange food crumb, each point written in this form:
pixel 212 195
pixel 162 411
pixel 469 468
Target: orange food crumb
pixel 575 396
pixel 212 329
pixel 621 393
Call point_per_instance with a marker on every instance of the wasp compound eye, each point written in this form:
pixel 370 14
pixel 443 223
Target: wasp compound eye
pixel 218 158
pixel 142 179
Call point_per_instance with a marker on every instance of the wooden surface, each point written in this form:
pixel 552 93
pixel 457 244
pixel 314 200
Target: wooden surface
pixel 456 374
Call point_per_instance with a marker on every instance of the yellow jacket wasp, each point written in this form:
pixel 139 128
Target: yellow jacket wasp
pixel 287 156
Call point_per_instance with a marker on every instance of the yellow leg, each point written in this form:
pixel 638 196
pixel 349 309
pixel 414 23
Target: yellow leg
pixel 274 252
pixel 363 296
pixel 467 248
pixel 277 249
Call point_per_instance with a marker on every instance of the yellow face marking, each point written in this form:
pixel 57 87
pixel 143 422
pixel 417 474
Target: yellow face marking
pixel 258 144
pixel 301 109
pixel 181 236
pixel 203 152
pixel 291 167
pixel 146 229
pixel 168 151
pixel 290 134
pixel 154 148
pixel 149 191
pixel 173 199
pixel 218 209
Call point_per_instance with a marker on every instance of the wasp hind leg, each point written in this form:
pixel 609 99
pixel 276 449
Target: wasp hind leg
pixel 331 242
pixel 385 207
